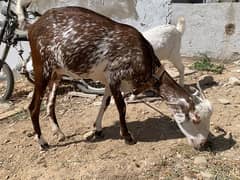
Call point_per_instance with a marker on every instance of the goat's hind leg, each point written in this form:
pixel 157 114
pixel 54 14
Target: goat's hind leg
pixel 55 80
pixel 97 133
pixel 34 109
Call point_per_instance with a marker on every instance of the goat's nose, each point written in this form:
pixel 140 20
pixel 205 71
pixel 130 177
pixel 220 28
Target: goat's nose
pixel 202 146
pixel 198 145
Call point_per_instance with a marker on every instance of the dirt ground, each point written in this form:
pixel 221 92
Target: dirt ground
pixel 161 152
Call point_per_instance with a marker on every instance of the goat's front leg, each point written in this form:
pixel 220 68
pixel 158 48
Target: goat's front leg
pixel 92 135
pixel 51 110
pixel 181 75
pixel 177 62
pixel 121 106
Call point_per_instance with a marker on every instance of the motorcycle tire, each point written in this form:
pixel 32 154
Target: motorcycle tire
pixel 6 82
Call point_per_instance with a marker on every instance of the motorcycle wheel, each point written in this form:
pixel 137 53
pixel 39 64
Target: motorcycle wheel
pixel 6 82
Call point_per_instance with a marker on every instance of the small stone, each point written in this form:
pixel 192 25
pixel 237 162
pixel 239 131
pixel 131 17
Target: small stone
pixel 228 135
pixel 30 95
pixel 236 70
pixel 206 175
pixel 224 101
pixel 187 178
pixel 218 129
pixel 237 62
pixel 29 134
pixel 89 135
pixel 137 165
pixel 206 80
pixel 5 105
pixel 234 81
pixel 200 160
pixel 145 112
pixel 6 141
pixel 179 155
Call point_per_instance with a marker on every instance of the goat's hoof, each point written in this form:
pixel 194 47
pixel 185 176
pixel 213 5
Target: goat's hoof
pixel 93 135
pixel 60 136
pixel 44 147
pixel 132 97
pixel 129 139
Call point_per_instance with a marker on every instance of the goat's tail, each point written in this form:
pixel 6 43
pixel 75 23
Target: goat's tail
pixel 181 24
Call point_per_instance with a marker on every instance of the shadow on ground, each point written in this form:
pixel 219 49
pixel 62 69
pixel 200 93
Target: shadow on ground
pixel 154 130
pixel 149 130
pixel 221 143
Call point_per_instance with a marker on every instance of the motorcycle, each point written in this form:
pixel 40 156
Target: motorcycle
pixel 11 36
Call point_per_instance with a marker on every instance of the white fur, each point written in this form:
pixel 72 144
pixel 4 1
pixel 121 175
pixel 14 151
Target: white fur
pixel 196 134
pixel 41 140
pixel 166 41
pixel 98 121
pixel 50 103
pixel 55 128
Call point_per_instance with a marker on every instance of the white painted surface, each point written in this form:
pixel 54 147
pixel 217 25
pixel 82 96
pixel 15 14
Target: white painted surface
pixel 205 29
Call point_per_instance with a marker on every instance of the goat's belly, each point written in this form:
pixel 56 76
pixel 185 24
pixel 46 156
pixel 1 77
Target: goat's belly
pixel 96 73
pixel 126 86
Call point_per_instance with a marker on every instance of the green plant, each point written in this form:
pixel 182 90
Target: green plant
pixel 203 63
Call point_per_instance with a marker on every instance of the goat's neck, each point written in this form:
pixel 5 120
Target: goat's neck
pixel 171 91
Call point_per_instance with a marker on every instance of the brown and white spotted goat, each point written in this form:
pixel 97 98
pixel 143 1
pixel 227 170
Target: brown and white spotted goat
pixel 83 44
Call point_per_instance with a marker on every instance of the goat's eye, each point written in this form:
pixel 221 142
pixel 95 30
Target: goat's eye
pixel 179 118
pixel 197 116
pixel 156 85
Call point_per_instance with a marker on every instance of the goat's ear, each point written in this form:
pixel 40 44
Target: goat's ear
pixel 175 108
pixel 179 105
pixel 179 117
pixel 197 94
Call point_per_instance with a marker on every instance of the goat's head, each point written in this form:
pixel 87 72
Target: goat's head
pixel 191 112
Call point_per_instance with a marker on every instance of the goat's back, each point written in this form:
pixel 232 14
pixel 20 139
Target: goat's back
pixel 165 39
pixel 82 41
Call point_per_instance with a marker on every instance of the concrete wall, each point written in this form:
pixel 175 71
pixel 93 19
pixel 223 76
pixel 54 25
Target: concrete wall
pixel 212 28
pixel 142 14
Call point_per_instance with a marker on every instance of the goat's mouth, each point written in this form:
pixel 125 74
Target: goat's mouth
pixel 196 133
pixel 198 144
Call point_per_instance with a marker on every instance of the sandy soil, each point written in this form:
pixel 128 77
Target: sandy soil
pixel 161 152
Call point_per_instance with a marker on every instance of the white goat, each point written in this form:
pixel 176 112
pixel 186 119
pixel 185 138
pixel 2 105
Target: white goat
pixel 166 42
